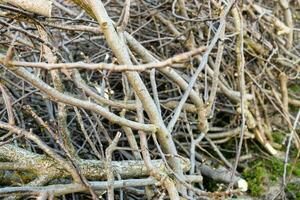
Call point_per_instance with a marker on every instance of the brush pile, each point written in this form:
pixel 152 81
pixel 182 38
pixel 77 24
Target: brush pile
pixel 146 99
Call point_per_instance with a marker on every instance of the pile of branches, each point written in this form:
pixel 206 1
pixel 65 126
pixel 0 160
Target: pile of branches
pixel 144 99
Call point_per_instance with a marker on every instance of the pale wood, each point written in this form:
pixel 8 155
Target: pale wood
pixel 41 7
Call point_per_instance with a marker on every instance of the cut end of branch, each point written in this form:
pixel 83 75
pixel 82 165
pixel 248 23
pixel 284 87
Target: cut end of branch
pixel 242 185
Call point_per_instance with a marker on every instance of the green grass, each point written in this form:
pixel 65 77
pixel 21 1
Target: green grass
pixel 294 190
pixel 263 173
pixel 256 178
pixel 278 137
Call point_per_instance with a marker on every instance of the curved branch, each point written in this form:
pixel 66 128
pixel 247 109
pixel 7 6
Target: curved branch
pixel 67 99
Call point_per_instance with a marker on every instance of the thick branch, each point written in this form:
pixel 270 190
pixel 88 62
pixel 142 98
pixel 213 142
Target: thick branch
pixel 41 7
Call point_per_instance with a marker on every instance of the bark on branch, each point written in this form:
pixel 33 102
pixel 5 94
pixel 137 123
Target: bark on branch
pixel 41 7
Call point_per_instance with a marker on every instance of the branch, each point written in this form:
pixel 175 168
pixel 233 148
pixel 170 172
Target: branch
pixel 92 169
pixel 41 7
pixel 120 50
pixel 105 66
pixel 67 99
pixel 62 189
